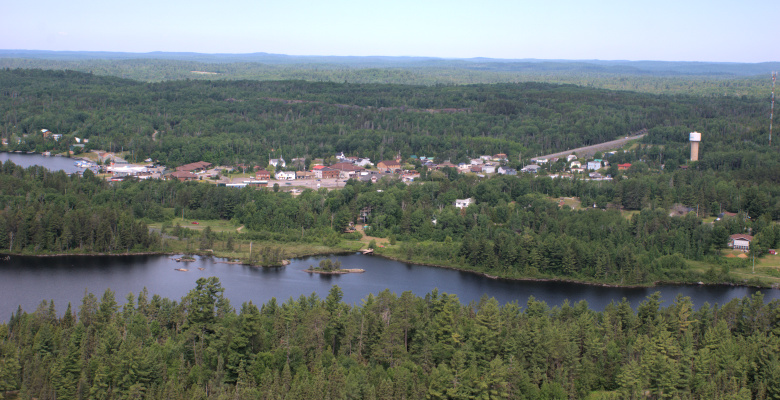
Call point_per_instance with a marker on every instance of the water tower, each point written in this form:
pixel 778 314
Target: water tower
pixel 695 138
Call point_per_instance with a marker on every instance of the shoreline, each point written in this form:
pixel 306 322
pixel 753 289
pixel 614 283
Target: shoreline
pixel 566 280
pixel 388 257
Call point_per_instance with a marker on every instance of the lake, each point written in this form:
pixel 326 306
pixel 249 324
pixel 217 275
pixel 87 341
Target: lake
pixel 51 163
pixel 26 281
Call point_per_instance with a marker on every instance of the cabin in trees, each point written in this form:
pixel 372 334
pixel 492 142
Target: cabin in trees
pixel 277 162
pixel 740 241
pixel 623 167
pixel 464 203
pixel 388 165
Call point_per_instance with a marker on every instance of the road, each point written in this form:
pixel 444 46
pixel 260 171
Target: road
pixel 300 183
pixel 593 149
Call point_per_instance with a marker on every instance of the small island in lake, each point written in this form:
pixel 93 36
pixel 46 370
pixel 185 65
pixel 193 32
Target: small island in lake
pixel 330 267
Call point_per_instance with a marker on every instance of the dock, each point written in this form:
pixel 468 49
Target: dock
pixel 368 252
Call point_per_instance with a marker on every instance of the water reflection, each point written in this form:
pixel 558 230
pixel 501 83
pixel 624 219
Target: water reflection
pixel 26 281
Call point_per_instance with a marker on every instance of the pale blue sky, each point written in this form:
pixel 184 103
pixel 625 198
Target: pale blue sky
pixel 673 30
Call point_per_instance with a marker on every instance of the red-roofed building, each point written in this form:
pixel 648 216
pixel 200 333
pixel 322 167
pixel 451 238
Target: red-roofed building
pixel 262 175
pixel 194 167
pixel 623 167
pixel 183 176
pixel 740 241
pixel 326 173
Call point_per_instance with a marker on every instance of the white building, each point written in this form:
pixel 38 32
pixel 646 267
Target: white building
pixel 571 157
pixel 488 169
pixel 533 168
pixel 277 162
pixel 285 176
pixel 364 162
pixel 594 165
pixel 740 241
pixel 464 203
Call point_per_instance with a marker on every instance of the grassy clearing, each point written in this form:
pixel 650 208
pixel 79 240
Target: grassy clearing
pixel 767 268
pixel 367 239
pixel 573 202
pixel 216 225
pixel 239 249
pixel 628 214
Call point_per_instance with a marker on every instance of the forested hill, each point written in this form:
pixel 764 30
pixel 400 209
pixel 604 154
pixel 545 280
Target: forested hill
pixel 228 122
pixel 701 78
pixel 389 347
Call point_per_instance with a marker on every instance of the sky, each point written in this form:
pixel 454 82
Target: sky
pixel 668 30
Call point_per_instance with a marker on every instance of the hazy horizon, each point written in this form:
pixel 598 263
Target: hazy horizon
pixel 379 56
pixel 714 31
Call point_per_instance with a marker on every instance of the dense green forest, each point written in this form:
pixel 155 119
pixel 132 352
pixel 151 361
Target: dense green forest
pixel 689 78
pixel 230 122
pixel 388 347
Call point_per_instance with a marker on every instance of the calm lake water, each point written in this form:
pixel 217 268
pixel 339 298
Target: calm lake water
pixel 52 163
pixel 26 281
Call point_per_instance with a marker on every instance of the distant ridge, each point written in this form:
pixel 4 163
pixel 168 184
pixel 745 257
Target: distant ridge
pixel 478 63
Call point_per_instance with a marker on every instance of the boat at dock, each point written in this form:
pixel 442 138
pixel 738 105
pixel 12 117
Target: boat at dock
pixel 84 164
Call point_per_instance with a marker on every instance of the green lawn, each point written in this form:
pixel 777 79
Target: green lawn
pixel 217 225
pixel 767 267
